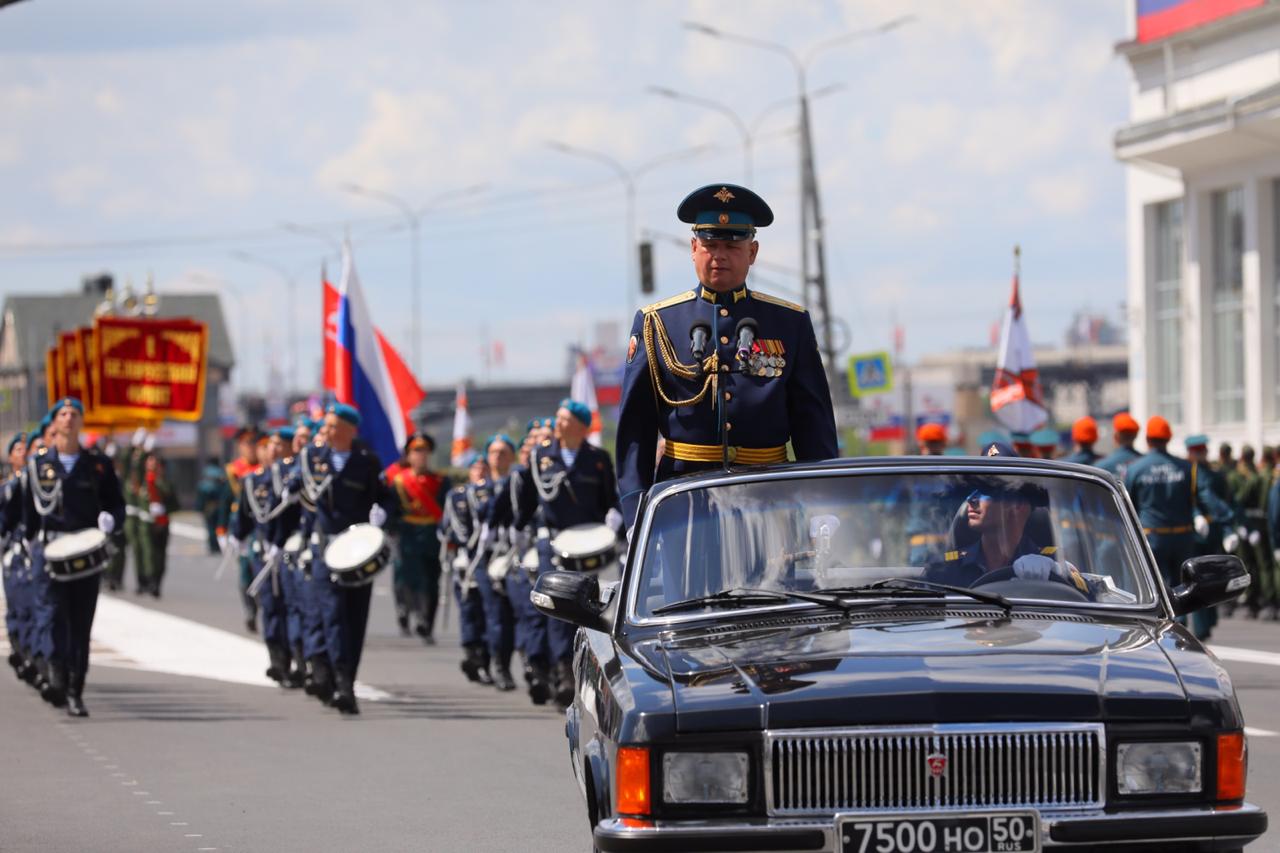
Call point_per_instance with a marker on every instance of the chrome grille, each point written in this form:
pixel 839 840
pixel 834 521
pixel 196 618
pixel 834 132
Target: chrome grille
pixel 839 770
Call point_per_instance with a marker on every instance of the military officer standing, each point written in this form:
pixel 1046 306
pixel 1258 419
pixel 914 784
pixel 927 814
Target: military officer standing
pixel 343 480
pixel 1125 432
pixel 1167 492
pixel 1084 434
pixel 722 372
pixel 70 488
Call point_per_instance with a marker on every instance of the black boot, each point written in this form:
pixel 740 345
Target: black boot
pixel 15 656
pixel 344 698
pixel 55 688
pixel 31 671
pixel 502 676
pixel 75 705
pixel 279 667
pixel 297 674
pixel 562 675
pixel 476 664
pixel 539 688
pixel 322 679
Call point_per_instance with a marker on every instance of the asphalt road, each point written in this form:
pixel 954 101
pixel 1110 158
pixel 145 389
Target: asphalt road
pixel 222 761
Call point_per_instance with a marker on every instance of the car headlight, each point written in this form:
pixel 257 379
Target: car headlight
pixel 705 777
pixel 1158 768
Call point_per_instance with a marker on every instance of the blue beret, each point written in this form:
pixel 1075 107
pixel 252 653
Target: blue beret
pixel 73 402
pixel 992 436
pixel 997 448
pixel 17 439
pixel 724 212
pixel 44 423
pixel 304 422
pixel 350 414
pixel 1045 438
pixel 500 436
pixel 285 432
pixel 1198 440
pixel 1020 437
pixel 577 409
pixel 533 424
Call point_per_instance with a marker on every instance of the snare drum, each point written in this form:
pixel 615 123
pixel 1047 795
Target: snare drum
pixel 77 555
pixel 498 569
pixel 585 547
pixel 356 555
pixel 293 548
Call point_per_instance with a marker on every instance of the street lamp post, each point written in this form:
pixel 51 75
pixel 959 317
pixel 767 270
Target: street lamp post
pixel 811 240
pixel 291 283
pixel 738 123
pixel 628 177
pixel 414 218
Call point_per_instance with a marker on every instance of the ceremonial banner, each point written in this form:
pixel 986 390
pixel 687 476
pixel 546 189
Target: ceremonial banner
pixel 73 370
pixel 149 368
pixel 460 450
pixel 88 356
pixel 53 385
pixel 1017 401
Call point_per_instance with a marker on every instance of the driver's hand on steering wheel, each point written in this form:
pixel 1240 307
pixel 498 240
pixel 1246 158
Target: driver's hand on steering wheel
pixel 1037 567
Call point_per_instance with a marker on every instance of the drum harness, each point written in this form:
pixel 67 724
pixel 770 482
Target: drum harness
pixel 262 516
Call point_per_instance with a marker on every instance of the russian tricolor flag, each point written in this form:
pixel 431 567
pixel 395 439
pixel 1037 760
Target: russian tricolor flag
pixel 1159 19
pixel 364 369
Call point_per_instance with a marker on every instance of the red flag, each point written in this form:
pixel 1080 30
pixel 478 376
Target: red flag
pixel 403 385
pixel 333 381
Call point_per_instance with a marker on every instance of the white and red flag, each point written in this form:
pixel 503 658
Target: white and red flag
pixel 1017 400
pixel 583 390
pixel 460 452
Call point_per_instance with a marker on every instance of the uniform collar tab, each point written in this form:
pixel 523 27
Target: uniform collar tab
pixel 730 298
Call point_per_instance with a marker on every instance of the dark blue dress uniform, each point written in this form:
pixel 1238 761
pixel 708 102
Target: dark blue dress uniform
pixel 1167 492
pixel 299 518
pixel 18 616
pixel 357 484
pixel 291 584
pixel 64 609
pixel 499 616
pixel 255 523
pixel 460 533
pixel 759 396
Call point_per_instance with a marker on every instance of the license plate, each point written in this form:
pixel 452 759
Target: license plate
pixel 996 832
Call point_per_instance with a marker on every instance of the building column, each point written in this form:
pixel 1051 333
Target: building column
pixel 1196 237
pixel 1253 316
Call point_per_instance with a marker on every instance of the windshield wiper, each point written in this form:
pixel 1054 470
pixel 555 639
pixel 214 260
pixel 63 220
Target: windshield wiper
pixel 915 586
pixel 747 595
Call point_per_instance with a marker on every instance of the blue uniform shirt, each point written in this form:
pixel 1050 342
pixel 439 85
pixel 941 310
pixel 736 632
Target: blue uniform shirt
pixel 1118 461
pixel 1083 457
pixel 1166 492
pixel 779 394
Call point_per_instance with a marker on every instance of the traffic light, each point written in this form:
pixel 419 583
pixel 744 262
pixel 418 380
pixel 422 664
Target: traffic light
pixel 646 267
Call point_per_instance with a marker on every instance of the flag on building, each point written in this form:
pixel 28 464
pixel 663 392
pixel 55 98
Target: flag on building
pixel 370 374
pixel 460 452
pixel 583 390
pixel 1017 400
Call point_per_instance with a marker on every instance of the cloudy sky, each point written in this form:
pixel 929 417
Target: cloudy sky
pixel 153 137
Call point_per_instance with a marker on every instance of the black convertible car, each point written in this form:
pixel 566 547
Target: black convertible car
pixel 868 656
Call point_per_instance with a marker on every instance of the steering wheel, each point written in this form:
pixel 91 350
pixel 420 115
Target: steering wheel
pixel 1009 584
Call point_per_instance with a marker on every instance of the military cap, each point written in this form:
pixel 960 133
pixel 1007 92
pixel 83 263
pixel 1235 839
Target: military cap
pixel 419 439
pixel 285 432
pixel 931 431
pixel 991 436
pixel 45 423
pixel 578 409
pixel 1124 422
pixel 247 433
pixel 73 402
pixel 997 448
pixel 1197 440
pixel 345 412
pixel 724 212
pixel 502 437
pixel 17 439
pixel 1045 438
pixel 1084 430
pixel 1158 428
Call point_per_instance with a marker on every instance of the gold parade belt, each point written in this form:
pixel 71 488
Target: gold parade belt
pixel 686 452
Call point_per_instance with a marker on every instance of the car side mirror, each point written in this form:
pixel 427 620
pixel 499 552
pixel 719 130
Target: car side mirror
pixel 573 597
pixel 1209 580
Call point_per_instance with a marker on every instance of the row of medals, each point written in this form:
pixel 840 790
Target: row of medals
pixel 762 364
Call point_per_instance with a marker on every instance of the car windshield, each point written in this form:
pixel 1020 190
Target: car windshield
pixel 905 535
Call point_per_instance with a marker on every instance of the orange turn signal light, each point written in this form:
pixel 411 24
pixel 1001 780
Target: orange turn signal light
pixel 633 780
pixel 1233 765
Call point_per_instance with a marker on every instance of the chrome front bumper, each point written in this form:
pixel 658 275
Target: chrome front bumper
pixel 1200 828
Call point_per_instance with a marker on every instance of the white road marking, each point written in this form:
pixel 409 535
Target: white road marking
pixel 149 640
pixel 188 531
pixel 1243 655
pixel 1252 732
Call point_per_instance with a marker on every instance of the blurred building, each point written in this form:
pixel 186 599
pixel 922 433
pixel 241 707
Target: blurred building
pixel 1202 148
pixel 30 323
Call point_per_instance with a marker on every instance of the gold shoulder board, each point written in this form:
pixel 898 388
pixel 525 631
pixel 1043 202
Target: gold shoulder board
pixel 666 303
pixel 951 556
pixel 773 300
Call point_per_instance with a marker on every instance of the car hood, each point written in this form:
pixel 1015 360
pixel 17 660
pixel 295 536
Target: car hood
pixel 930 670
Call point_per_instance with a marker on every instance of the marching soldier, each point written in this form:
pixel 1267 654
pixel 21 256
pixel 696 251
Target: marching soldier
pixel 70 488
pixel 497 539
pixel 422 494
pixel 1210 532
pixel 237 470
pixel 343 480
pixel 529 621
pixel 932 439
pixel 460 537
pixel 156 500
pixel 1248 491
pixel 1125 432
pixel 1168 492
pixel 14 561
pixel 1084 434
pixel 569 482
pixel 210 493
pixel 721 371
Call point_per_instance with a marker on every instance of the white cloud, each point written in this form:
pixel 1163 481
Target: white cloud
pixel 911 218
pixel 1063 193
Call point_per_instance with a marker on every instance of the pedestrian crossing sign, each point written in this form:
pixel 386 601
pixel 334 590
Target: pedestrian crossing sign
pixel 870 373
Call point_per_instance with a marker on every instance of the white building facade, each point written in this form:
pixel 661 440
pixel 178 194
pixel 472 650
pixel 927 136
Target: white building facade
pixel 1202 151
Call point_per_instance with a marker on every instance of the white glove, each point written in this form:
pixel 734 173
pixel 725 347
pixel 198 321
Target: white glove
pixel 272 553
pixel 1035 567
pixel 1255 537
pixel 1242 532
pixel 111 450
pixel 156 509
pixel 486 537
pixel 1229 542
pixel 106 522
pixel 149 443
pixel 377 515
pixel 1275 555
pixel 613 518
pixel 139 436
pixel 1201 525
